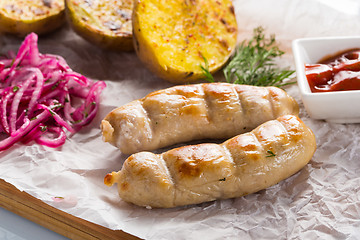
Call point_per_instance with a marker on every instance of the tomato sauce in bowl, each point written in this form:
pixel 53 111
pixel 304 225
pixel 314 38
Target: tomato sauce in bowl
pixel 340 72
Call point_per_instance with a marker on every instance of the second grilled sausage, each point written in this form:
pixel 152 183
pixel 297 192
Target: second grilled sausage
pixel 192 112
pixel 193 174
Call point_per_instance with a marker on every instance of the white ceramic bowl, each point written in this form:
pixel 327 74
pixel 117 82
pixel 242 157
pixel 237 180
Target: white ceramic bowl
pixel 338 107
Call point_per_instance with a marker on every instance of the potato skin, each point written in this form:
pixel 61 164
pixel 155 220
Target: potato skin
pixel 96 31
pixel 172 38
pixel 21 17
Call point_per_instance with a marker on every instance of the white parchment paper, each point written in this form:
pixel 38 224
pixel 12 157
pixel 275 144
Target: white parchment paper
pixel 322 201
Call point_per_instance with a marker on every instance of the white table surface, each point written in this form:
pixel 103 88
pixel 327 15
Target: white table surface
pixel 14 227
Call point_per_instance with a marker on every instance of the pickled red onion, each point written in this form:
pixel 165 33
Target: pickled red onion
pixel 38 92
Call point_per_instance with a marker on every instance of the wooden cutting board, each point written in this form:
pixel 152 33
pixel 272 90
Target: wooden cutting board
pixel 54 219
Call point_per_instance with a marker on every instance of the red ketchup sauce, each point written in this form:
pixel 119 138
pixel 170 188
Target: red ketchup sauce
pixel 340 72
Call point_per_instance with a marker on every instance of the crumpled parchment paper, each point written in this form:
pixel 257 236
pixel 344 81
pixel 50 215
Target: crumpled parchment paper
pixel 322 201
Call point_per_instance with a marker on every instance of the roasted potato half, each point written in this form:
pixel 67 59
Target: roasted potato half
pixel 174 37
pixel 21 17
pixel 106 23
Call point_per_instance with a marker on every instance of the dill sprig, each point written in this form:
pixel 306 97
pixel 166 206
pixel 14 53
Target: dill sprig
pixel 253 63
pixel 207 75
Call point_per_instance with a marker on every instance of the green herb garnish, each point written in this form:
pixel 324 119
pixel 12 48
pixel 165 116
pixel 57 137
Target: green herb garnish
pixel 43 128
pixel 56 106
pixel 15 89
pixel 271 153
pixel 207 75
pixel 55 86
pixel 12 62
pixel 77 121
pixel 253 63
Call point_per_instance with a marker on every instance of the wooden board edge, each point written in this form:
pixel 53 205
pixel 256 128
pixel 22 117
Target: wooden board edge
pixel 35 210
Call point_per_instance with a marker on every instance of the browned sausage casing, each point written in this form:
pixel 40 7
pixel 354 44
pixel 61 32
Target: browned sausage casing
pixel 192 112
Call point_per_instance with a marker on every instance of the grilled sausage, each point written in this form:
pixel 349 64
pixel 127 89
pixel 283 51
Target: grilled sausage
pixel 192 112
pixel 194 174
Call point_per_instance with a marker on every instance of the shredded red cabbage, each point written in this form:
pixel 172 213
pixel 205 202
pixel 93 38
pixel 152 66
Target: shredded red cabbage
pixel 41 97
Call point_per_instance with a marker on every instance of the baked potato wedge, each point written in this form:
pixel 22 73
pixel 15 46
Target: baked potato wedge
pixel 173 38
pixel 21 17
pixel 106 23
